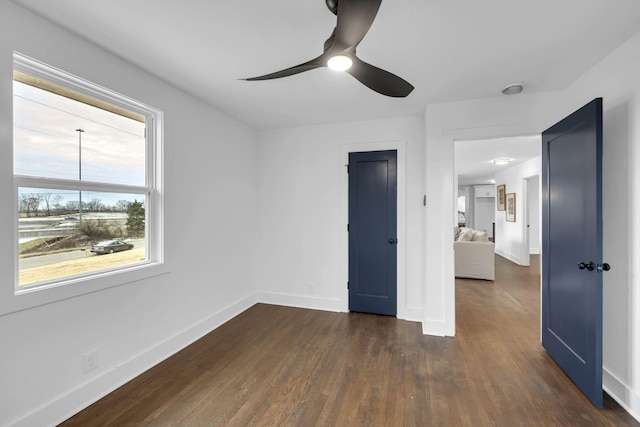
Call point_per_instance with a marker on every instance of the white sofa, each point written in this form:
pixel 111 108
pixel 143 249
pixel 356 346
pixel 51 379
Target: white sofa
pixel 474 259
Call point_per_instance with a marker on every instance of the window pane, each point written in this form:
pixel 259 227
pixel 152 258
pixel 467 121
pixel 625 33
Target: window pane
pixel 47 143
pixel 63 233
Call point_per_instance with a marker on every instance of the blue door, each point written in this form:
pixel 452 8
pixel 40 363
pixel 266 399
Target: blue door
pixel 572 247
pixel 372 232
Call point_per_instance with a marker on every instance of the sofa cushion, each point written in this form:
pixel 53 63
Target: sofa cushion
pixel 466 235
pixel 480 236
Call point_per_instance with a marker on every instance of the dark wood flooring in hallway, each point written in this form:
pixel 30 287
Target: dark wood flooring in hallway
pixel 280 366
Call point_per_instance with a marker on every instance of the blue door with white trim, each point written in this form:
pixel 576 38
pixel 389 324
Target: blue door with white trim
pixel 572 264
pixel 372 228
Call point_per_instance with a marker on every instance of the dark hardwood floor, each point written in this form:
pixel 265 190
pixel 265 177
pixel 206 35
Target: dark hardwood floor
pixel 273 366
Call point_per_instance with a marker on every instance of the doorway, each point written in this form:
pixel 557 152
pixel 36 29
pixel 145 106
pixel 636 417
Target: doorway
pixel 480 166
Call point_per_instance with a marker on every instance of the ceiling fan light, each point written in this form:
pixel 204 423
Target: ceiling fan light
pixel 339 63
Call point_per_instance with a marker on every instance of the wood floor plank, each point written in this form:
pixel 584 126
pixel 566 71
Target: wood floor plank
pixel 281 366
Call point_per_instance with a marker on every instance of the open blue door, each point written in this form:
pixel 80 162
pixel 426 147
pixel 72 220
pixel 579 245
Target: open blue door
pixel 372 232
pixel 572 247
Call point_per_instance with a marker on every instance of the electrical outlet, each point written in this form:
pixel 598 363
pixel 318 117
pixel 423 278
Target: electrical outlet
pixel 311 287
pixel 89 361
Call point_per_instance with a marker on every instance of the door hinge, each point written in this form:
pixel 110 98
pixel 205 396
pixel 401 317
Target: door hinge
pixel 347 227
pixel 347 168
pixel 348 286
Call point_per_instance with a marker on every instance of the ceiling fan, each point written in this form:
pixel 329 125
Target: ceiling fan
pixel 354 20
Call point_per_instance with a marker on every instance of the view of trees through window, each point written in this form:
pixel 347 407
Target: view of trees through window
pixel 80 171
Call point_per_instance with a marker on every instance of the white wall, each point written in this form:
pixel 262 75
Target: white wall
pixel 511 241
pixel 302 228
pixel 211 193
pixel 615 79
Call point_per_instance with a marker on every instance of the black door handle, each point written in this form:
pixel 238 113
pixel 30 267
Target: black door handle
pixel 603 267
pixel 589 266
pixel 393 241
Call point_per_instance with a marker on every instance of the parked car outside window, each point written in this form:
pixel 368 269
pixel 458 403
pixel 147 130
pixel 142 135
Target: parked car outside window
pixel 110 246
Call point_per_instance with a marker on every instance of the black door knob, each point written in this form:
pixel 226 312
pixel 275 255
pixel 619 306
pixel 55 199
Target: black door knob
pixel 603 267
pixel 393 241
pixel 589 266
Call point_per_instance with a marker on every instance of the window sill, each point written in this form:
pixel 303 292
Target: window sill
pixel 23 299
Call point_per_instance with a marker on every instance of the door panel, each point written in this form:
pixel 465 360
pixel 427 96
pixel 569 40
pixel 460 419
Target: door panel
pixel 372 232
pixel 572 233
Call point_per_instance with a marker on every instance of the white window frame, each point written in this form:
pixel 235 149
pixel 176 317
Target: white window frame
pixel 15 298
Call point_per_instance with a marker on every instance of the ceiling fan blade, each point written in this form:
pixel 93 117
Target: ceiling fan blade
pixel 354 20
pixel 318 62
pixel 379 80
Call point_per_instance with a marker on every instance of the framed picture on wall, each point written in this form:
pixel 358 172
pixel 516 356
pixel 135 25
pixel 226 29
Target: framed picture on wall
pixel 511 207
pixel 501 194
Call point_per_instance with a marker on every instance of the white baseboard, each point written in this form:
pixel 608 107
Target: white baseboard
pixel 436 328
pixel 411 314
pixel 301 301
pixel 627 398
pixel 534 251
pixel 79 398
pixel 510 257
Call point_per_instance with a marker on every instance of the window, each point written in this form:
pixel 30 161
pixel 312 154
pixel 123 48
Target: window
pixel 87 179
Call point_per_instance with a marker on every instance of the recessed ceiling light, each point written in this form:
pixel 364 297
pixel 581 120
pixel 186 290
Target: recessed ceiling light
pixel 501 161
pixel 513 89
pixel 492 181
pixel 339 63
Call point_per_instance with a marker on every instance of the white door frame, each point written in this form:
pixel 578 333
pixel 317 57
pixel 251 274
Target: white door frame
pixel 446 325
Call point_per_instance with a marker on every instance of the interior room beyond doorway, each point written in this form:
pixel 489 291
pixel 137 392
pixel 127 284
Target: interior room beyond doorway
pixel 493 182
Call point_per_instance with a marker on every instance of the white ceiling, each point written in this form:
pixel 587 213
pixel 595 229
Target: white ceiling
pixel 449 50
pixel 473 159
